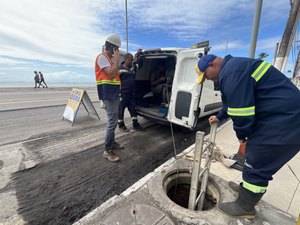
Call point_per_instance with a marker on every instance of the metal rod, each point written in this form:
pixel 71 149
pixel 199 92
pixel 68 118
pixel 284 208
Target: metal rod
pixel 204 181
pixel 196 169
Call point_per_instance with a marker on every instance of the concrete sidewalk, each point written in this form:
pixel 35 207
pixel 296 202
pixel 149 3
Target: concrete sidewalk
pixel 283 191
pixel 147 201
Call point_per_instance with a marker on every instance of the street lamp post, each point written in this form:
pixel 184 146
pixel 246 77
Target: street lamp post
pixel 227 42
pixel 126 25
pixel 255 28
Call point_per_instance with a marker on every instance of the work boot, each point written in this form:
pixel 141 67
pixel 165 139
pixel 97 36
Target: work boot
pixel 110 156
pixel 243 207
pixel 124 128
pixel 138 127
pixel 117 146
pixel 234 186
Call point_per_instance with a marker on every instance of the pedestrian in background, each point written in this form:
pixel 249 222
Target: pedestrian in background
pixel 36 79
pixel 42 80
pixel 264 106
pixel 108 87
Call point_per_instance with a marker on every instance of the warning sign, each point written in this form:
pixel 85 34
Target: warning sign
pixel 77 97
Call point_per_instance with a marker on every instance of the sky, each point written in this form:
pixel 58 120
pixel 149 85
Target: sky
pixel 62 38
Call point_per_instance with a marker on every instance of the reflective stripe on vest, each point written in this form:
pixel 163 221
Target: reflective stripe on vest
pixel 260 71
pixel 123 71
pixel 247 111
pixel 254 188
pixel 112 82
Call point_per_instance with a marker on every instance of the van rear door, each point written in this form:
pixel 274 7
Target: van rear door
pixel 184 104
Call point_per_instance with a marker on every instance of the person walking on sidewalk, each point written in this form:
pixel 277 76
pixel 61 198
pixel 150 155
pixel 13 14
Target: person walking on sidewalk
pixel 264 106
pixel 108 87
pixel 42 80
pixel 36 79
pixel 127 71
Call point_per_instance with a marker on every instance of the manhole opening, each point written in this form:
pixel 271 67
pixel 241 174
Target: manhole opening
pixel 177 187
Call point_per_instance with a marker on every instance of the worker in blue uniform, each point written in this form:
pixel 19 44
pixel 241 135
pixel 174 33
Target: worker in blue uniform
pixel 264 106
pixel 127 71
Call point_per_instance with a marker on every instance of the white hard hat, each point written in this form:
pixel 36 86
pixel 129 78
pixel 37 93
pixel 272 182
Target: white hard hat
pixel 114 39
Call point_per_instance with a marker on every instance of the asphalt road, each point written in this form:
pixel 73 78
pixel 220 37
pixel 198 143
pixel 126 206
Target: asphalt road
pixel 54 173
pixel 24 98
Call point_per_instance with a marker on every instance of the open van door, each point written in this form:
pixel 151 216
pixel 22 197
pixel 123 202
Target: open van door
pixel 184 103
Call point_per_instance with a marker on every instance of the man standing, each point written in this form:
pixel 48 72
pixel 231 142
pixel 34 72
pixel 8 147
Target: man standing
pixel 108 86
pixel 127 71
pixel 264 106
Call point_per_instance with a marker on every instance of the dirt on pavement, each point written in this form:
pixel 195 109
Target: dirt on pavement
pixel 63 190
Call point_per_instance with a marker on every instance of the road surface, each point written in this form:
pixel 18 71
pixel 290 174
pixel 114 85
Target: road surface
pixel 54 173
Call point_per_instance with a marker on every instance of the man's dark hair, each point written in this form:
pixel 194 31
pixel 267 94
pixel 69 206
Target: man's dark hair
pixel 108 45
pixel 127 56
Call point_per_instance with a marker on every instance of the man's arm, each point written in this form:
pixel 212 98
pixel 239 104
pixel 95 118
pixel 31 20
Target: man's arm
pixel 240 98
pixel 159 80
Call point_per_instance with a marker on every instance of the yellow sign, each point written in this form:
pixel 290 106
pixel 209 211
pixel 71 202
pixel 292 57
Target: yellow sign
pixel 76 97
pixel 73 104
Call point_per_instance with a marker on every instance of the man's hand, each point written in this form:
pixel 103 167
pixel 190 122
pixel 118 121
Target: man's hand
pixel 243 141
pixel 139 52
pixel 213 119
pixel 116 55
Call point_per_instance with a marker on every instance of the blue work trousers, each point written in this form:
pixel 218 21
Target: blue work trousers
pixel 263 161
pixel 127 100
pixel 111 108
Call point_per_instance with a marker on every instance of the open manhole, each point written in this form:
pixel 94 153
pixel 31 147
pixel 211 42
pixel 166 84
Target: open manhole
pixel 177 187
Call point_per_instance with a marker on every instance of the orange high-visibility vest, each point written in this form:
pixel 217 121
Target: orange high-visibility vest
pixel 107 88
pixel 102 77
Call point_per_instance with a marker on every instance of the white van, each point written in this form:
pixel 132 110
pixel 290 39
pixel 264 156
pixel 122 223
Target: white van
pixel 182 100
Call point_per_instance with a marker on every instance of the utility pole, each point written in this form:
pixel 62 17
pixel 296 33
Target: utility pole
pixel 255 28
pixel 275 53
pixel 288 36
pixel 126 25
pixel 227 42
pixel 297 66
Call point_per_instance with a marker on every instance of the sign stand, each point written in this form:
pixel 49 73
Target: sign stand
pixel 76 97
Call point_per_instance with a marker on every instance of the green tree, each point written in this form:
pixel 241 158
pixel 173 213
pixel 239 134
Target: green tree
pixel 263 55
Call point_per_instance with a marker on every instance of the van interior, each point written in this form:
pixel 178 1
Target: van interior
pixel 153 100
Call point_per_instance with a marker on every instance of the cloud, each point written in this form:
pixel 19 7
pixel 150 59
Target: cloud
pixel 73 31
pixel 58 31
pixel 12 62
pixel 66 35
pixel 68 76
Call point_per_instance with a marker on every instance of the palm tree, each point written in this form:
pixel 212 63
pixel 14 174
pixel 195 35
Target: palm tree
pixel 263 55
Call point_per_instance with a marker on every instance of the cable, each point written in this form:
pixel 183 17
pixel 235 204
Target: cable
pixel 171 125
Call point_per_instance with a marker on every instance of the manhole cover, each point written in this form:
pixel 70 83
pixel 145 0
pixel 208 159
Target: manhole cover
pixel 137 214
